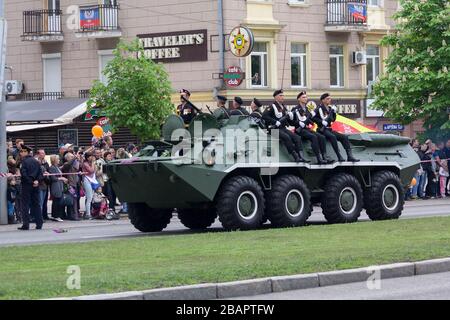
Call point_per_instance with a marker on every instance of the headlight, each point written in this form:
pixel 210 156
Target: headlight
pixel 209 156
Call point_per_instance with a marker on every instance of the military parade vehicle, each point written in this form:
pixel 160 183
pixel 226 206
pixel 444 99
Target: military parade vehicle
pixel 234 170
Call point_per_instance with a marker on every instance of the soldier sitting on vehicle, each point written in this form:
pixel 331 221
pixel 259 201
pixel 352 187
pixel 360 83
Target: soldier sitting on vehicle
pixel 325 115
pixel 221 112
pixel 185 110
pixel 302 122
pixel 276 117
pixel 257 113
pixel 237 109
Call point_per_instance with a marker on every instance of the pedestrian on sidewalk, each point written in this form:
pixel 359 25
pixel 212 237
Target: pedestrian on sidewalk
pixel 88 168
pixel 56 188
pixel 31 175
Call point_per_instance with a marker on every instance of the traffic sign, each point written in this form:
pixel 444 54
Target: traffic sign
pixel 393 127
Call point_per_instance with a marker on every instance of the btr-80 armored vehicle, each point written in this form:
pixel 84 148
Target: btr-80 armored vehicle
pixel 235 170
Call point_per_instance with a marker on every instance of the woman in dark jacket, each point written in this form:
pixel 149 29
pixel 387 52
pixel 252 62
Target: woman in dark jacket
pixel 56 188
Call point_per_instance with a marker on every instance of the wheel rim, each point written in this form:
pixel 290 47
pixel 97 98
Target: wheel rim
pixel 391 197
pixel 294 203
pixel 247 205
pixel 348 200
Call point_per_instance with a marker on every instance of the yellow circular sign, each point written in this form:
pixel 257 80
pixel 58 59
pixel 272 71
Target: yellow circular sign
pixel 241 41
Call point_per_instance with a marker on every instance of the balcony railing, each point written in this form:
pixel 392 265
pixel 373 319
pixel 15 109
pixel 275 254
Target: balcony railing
pixel 84 94
pixel 346 13
pixel 40 96
pixel 99 18
pixel 42 23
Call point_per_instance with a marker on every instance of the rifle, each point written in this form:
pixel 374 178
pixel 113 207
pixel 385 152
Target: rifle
pixel 209 109
pixel 191 104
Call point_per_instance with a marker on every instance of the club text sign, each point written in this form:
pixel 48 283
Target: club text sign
pixel 182 46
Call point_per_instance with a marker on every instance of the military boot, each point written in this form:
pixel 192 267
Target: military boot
pixel 350 156
pixel 296 157
pixel 302 157
pixel 320 160
pixel 327 160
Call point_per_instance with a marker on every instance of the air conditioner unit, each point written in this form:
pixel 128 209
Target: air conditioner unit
pixel 13 87
pixel 359 57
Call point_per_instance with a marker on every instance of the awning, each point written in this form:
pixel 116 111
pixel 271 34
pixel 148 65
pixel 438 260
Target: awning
pixel 60 110
pixel 26 127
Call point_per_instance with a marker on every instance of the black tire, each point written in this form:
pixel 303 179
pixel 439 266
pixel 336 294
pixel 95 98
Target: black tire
pixel 197 219
pixel 342 200
pixel 236 194
pixel 294 213
pixel 385 199
pixel 147 219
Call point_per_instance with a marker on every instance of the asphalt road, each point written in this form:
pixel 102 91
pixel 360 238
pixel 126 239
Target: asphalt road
pixel 103 230
pixel 427 287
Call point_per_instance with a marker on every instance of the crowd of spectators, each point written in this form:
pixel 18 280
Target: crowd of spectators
pixel 432 178
pixel 66 179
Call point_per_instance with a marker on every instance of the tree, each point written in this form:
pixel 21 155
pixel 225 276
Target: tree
pixel 416 84
pixel 137 95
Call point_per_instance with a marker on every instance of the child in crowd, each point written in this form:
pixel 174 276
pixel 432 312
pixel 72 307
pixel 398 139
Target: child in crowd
pixel 11 199
pixel 443 175
pixel 99 204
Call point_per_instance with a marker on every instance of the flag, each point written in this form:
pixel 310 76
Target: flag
pixel 358 11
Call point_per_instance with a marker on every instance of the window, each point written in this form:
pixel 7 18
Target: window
pixel 336 66
pixel 53 5
pixel 374 3
pixel 259 65
pixel 51 64
pixel 298 65
pixel 105 56
pixel 373 63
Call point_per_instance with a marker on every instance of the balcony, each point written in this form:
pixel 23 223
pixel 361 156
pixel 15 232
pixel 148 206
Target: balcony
pixel 346 15
pixel 42 26
pixel 99 21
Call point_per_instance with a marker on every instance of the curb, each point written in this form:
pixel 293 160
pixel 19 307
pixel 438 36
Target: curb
pixel 253 287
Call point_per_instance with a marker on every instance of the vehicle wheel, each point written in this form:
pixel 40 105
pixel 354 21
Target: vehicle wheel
pixel 240 204
pixel 342 199
pixel 288 203
pixel 197 219
pixel 147 219
pixel 385 199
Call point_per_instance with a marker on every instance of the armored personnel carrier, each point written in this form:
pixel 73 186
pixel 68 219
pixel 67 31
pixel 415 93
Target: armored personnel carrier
pixel 234 170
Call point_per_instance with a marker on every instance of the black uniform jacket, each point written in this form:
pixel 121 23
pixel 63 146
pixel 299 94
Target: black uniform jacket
pixel 276 112
pixel 30 170
pixel 239 112
pixel 302 115
pixel 323 113
pixel 186 112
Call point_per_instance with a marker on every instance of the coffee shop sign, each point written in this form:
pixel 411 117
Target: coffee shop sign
pixel 175 46
pixel 347 108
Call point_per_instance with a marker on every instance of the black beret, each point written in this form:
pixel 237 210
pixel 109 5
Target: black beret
pixel 257 102
pixel 185 91
pixel 277 92
pixel 302 93
pixel 222 98
pixel 324 96
pixel 26 148
pixel 238 100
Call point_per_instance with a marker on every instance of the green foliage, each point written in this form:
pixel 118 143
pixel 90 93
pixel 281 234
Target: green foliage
pixel 417 82
pixel 138 92
pixel 141 263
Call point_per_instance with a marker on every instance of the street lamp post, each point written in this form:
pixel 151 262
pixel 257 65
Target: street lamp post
pixel 3 145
